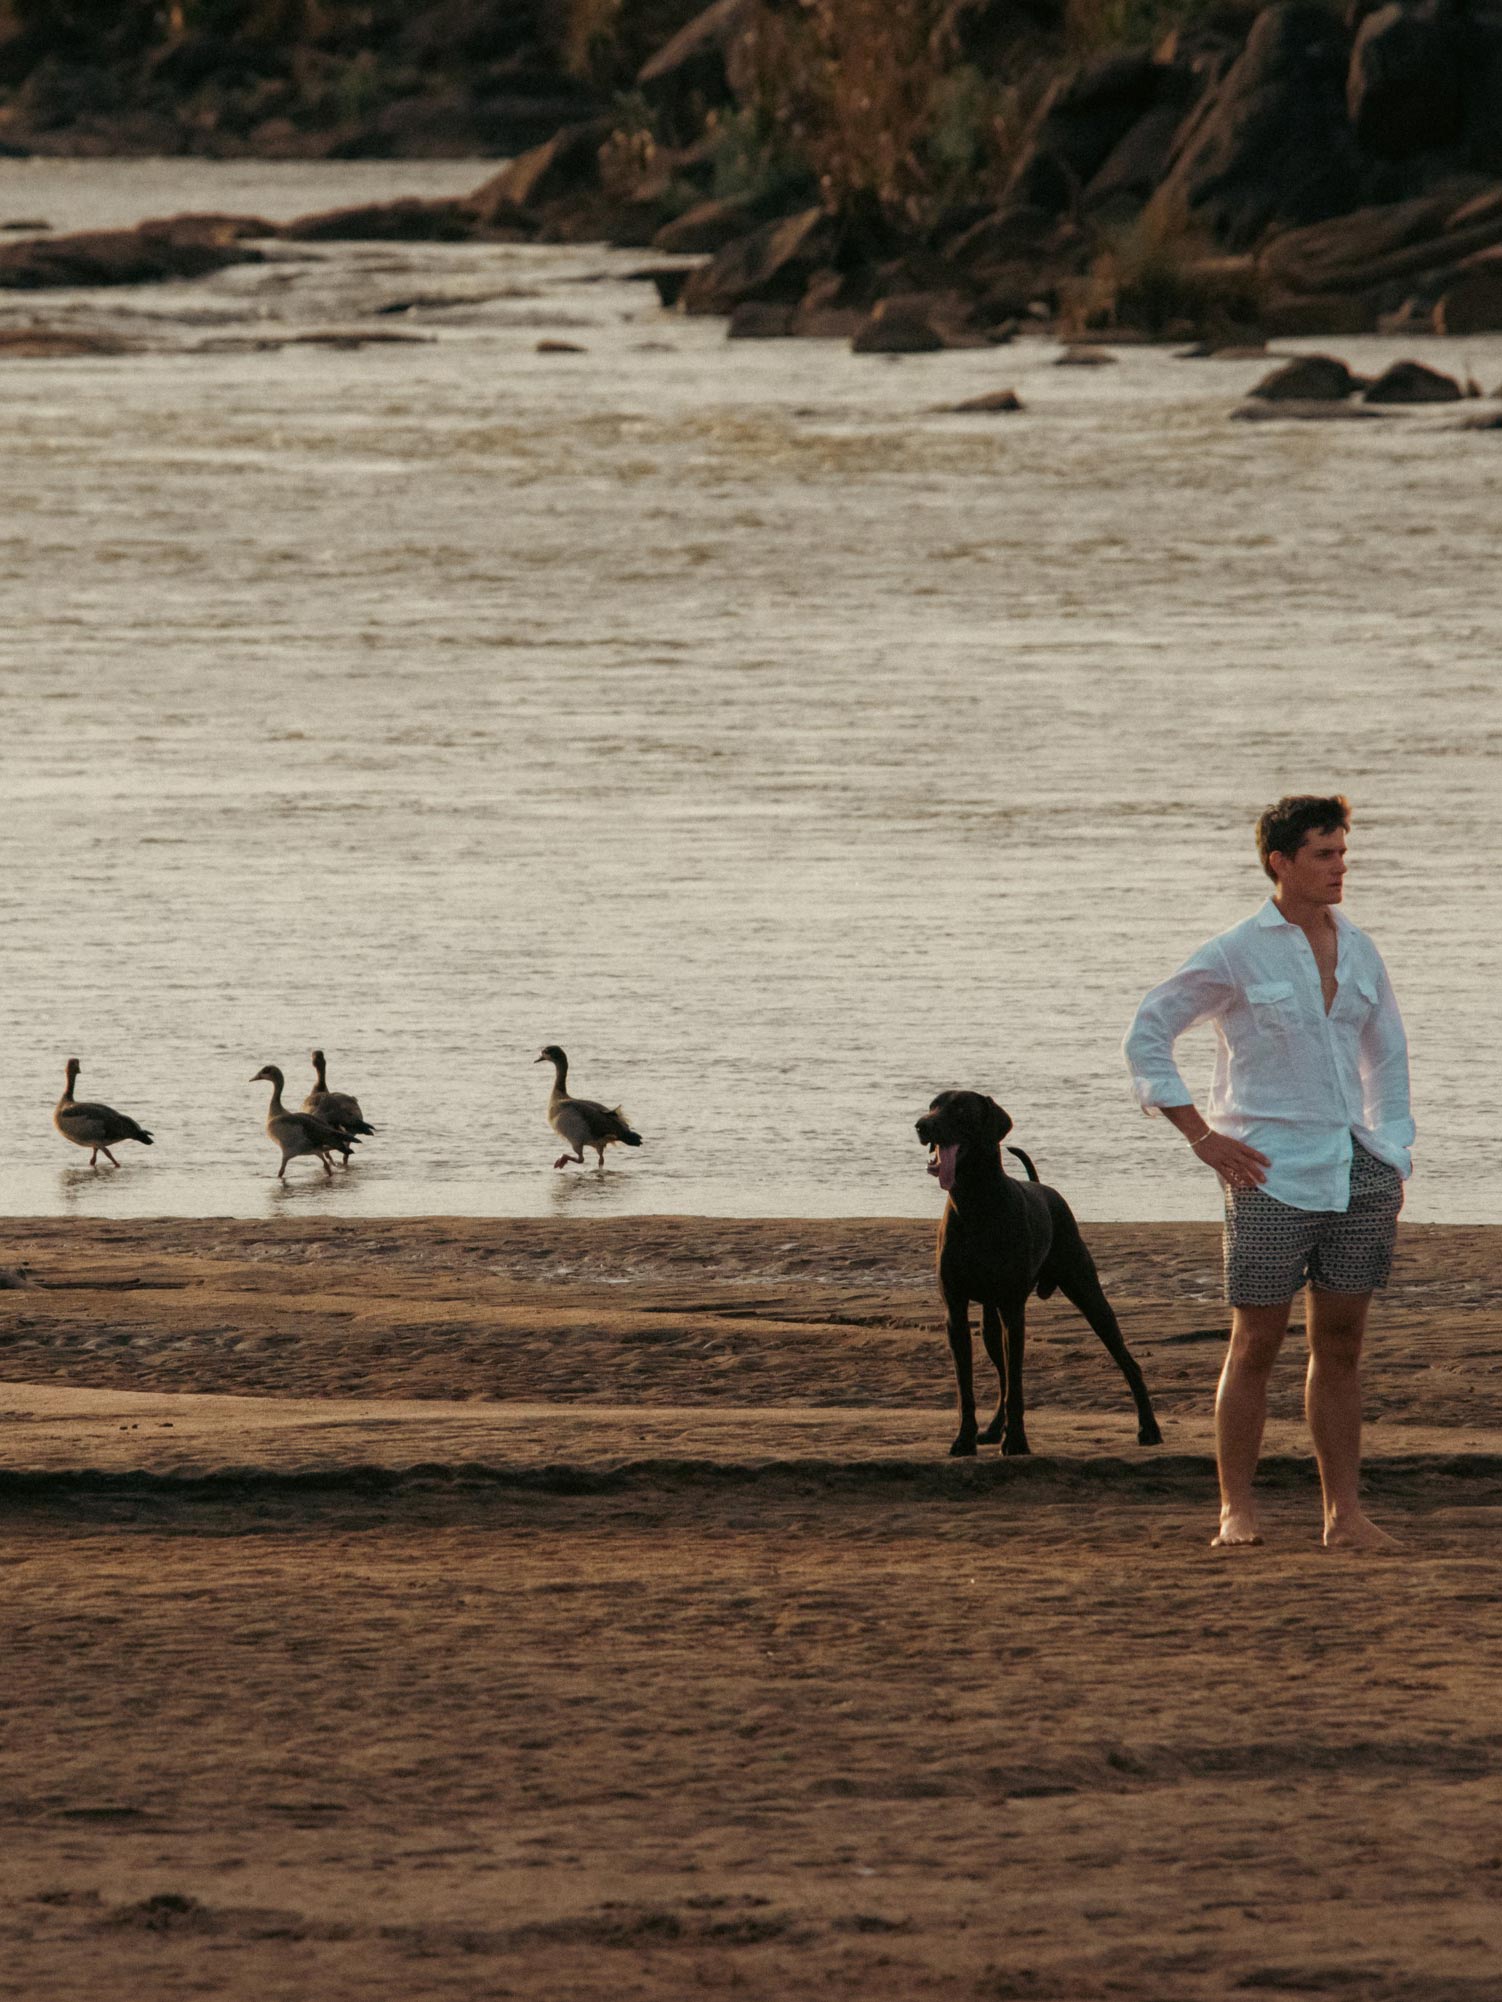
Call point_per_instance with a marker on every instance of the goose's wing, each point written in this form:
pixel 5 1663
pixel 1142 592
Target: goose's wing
pixel 101 1123
pixel 337 1108
pixel 317 1131
pixel 604 1121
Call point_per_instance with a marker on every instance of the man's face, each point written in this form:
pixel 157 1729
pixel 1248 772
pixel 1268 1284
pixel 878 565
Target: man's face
pixel 1317 872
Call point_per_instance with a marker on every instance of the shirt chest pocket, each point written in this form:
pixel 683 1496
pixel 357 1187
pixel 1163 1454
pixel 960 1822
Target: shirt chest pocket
pixel 1358 997
pixel 1272 1006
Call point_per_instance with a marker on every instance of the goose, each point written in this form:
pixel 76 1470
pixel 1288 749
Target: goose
pixel 581 1121
pixel 94 1126
pixel 300 1132
pixel 336 1108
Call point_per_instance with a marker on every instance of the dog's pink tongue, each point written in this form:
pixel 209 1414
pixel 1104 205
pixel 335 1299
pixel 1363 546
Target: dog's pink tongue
pixel 941 1163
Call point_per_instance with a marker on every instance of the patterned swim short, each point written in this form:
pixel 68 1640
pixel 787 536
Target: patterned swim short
pixel 1272 1249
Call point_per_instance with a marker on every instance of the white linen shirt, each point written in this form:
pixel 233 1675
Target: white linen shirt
pixel 1290 1080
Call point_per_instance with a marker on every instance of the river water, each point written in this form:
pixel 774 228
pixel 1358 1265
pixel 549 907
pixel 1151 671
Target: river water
pixel 783 747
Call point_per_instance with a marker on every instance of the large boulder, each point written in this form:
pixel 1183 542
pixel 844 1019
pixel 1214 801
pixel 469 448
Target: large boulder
pixel 563 167
pixel 1078 125
pixel 773 264
pixel 1271 143
pixel 1131 172
pixel 1403 88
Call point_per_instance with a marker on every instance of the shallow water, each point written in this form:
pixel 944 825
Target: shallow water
pixel 783 748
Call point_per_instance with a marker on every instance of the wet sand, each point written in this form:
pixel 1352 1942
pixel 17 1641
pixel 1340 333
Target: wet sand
pixel 452 1608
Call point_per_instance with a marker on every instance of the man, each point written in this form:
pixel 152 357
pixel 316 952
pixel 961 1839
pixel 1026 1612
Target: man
pixel 1309 1130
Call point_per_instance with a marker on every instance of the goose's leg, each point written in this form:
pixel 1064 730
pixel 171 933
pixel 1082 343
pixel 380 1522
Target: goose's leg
pixel 110 1157
pixel 564 1159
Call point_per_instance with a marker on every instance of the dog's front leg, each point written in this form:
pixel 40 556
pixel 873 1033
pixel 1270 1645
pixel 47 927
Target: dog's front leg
pixel 1014 1431
pixel 990 1328
pixel 964 1379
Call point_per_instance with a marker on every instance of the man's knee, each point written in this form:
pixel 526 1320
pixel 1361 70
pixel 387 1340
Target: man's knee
pixel 1337 1325
pixel 1256 1336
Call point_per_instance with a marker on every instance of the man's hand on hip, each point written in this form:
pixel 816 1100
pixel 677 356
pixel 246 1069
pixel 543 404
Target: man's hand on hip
pixel 1238 1166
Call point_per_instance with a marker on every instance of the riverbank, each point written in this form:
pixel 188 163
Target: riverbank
pixel 934 175
pixel 589 1610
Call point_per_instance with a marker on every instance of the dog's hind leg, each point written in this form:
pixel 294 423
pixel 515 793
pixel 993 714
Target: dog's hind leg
pixel 964 1376
pixel 1080 1285
pixel 990 1328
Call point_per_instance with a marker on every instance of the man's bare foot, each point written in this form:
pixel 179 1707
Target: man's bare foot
pixel 1357 1532
pixel 1238 1526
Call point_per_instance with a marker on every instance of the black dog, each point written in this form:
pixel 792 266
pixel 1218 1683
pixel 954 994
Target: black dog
pixel 999 1241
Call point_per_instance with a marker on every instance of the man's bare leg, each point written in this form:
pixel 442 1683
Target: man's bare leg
pixel 1332 1403
pixel 1240 1414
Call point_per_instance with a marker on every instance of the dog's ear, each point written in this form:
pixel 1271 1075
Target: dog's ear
pixel 1000 1120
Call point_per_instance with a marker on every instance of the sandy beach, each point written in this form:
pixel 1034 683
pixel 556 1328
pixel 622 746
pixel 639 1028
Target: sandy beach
pixel 520 1609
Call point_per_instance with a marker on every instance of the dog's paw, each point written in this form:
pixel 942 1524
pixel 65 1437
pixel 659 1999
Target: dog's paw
pixel 1149 1435
pixel 963 1448
pixel 1015 1448
pixel 991 1436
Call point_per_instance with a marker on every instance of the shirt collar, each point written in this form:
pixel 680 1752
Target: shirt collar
pixel 1270 915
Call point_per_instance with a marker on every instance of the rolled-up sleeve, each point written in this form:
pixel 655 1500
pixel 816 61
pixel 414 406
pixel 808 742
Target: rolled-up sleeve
pixel 1200 990
pixel 1386 1106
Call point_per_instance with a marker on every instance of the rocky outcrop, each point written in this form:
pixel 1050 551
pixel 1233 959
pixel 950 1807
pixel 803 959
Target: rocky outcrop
pixel 1402 257
pixel 703 68
pixel 1471 303
pixel 1403 88
pixel 408 221
pixel 432 78
pixel 1080 123
pixel 178 247
pixel 1271 144
pixel 773 265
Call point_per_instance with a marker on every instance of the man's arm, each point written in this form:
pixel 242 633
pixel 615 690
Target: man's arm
pixel 1201 989
pixel 1386 1107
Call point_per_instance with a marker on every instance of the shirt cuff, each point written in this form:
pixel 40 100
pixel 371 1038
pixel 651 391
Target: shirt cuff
pixel 1155 1093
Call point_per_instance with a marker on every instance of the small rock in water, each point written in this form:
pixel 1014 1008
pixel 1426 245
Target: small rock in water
pixel 1309 379
pixel 1084 357
pixel 560 348
pixel 27 225
pixel 993 400
pixel 1413 382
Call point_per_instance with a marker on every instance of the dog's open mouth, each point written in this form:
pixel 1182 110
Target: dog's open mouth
pixel 941 1162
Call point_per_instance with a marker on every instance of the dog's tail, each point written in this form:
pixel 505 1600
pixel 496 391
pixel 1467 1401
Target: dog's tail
pixel 1026 1160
